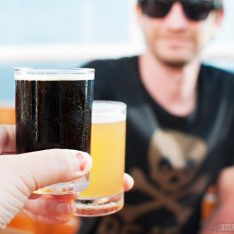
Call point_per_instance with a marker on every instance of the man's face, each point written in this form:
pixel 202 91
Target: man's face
pixel 174 39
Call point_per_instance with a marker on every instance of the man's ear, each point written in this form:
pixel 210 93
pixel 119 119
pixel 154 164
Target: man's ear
pixel 218 19
pixel 139 14
pixel 138 10
pixel 219 15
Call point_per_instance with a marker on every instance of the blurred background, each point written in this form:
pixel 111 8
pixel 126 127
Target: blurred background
pixel 66 33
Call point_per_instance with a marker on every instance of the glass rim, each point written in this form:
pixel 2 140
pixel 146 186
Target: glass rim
pixel 107 111
pixel 53 74
pixel 51 70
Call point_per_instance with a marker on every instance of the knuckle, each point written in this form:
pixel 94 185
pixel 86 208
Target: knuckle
pixel 4 138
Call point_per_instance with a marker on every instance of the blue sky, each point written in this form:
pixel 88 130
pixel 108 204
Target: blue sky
pixel 62 21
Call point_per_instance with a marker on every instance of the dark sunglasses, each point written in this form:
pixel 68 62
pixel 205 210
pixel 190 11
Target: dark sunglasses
pixel 193 9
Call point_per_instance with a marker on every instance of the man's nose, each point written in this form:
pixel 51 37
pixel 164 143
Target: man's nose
pixel 176 19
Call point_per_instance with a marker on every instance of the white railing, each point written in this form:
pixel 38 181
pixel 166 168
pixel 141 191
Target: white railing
pixel 63 52
pixel 220 51
pixel 69 52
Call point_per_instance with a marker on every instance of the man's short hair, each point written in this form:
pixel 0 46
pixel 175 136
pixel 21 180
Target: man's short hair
pixel 218 4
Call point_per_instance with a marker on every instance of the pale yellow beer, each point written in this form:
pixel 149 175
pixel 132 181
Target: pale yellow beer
pixel 105 192
pixel 107 150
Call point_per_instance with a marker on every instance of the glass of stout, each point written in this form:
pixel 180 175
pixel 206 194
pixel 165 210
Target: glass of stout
pixel 53 110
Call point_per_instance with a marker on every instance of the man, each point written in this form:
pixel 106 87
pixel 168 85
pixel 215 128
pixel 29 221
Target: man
pixel 180 121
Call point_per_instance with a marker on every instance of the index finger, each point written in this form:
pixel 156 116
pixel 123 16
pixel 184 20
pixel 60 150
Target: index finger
pixel 7 139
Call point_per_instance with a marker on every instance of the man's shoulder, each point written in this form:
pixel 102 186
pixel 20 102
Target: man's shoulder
pixel 112 64
pixel 218 74
pixel 217 81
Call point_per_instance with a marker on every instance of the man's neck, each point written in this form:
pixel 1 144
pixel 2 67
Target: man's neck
pixel 174 88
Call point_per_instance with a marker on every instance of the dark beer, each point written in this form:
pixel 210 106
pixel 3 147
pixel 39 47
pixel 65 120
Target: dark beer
pixel 53 114
pixel 53 110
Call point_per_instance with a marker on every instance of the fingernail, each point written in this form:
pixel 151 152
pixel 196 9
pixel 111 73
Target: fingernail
pixel 82 161
pixel 85 162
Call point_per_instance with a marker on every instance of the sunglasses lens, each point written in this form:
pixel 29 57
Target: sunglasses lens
pixel 194 10
pixel 197 11
pixel 156 8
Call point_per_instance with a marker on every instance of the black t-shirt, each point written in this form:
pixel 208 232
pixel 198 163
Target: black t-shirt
pixel 172 159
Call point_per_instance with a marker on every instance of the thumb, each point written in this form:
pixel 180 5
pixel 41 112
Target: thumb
pixel 43 168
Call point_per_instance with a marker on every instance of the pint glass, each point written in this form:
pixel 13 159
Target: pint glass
pixel 105 192
pixel 53 110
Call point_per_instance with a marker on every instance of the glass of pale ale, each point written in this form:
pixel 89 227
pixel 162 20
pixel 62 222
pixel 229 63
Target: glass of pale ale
pixel 105 193
pixel 53 110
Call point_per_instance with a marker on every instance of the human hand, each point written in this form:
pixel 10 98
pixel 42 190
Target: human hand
pixel 20 175
pixel 225 185
pixel 26 173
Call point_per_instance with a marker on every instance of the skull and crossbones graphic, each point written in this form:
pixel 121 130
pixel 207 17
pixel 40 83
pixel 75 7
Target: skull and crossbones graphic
pixel 174 160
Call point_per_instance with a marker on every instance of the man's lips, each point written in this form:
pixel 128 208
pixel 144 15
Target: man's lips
pixel 176 42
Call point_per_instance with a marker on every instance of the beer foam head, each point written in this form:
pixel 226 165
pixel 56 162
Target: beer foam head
pixel 53 74
pixel 105 112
